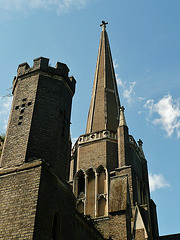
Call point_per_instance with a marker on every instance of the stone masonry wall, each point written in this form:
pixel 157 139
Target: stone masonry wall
pixel 97 153
pixel 56 197
pixel 114 227
pixel 19 195
pixel 49 135
pixel 18 129
pixel 92 154
pixel 139 234
pixel 127 172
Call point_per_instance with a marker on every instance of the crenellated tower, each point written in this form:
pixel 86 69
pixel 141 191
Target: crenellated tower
pixel 108 168
pixel 40 116
pixel 36 201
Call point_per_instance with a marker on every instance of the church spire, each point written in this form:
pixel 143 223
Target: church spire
pixel 104 107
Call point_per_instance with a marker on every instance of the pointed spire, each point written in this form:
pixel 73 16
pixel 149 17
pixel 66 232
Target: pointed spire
pixel 104 107
pixel 122 120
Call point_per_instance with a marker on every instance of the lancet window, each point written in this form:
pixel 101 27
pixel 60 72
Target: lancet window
pixel 102 186
pixel 80 190
pixel 90 201
pixel 91 191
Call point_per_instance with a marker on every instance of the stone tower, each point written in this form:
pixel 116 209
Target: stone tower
pixel 40 116
pixel 36 201
pixel 108 168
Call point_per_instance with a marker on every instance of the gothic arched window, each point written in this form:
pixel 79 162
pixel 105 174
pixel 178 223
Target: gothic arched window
pixel 90 201
pixel 101 207
pixel 79 190
pixel 81 186
pixel 101 191
pixel 102 181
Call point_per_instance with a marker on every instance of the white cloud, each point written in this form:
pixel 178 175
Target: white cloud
pixel 5 106
pixel 157 181
pixel 58 5
pixel 129 93
pixel 141 99
pixel 119 80
pixel 116 65
pixel 128 88
pixel 168 111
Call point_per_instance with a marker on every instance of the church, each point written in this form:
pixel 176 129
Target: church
pixel 97 189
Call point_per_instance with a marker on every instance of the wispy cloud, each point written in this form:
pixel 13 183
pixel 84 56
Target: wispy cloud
pixel 157 181
pixel 119 80
pixel 168 111
pixel 128 88
pixel 58 5
pixel 128 92
pixel 5 106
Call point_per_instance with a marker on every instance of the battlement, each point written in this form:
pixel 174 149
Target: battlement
pixel 137 148
pixel 42 64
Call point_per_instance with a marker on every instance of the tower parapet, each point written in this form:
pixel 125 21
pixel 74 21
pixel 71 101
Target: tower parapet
pixel 97 136
pixel 42 64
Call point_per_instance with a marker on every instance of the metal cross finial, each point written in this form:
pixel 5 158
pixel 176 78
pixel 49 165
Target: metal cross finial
pixel 103 24
pixel 122 108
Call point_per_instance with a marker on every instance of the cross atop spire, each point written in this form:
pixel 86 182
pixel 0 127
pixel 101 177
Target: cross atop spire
pixel 103 25
pixel 122 108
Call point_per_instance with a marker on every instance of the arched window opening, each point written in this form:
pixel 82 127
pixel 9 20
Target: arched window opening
pixel 102 182
pixel 101 207
pixel 81 186
pixel 91 194
pixel 102 191
pixel 80 207
pixel 56 227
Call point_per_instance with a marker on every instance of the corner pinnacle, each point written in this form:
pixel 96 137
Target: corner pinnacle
pixel 122 121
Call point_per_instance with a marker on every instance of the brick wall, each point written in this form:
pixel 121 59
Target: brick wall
pixel 139 234
pixel 114 227
pixel 17 134
pixel 56 197
pixel 19 195
pixel 97 153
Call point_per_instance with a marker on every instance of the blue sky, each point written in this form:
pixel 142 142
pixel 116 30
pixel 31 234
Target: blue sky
pixel 144 38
